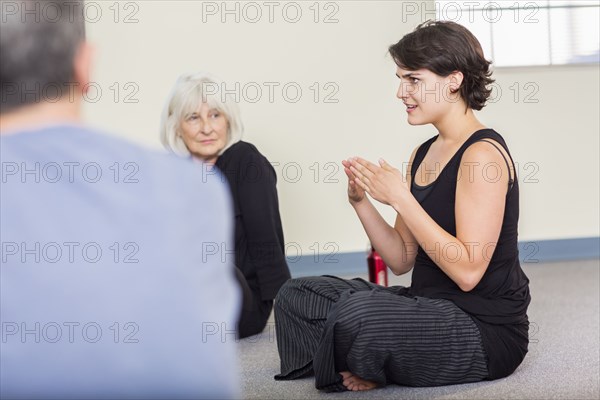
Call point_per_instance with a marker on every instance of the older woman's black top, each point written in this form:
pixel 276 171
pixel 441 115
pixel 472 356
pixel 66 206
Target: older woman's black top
pixel 259 244
pixel 498 304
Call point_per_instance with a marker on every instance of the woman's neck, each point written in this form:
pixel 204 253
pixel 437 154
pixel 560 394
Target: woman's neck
pixel 210 161
pixel 457 126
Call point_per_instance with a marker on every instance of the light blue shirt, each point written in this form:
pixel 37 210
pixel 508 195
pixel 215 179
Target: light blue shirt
pixel 116 279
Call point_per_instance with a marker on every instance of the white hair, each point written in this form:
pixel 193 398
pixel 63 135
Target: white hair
pixel 189 92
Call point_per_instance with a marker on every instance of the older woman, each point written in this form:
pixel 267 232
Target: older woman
pixel 200 122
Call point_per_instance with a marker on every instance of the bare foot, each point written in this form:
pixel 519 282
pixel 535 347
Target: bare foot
pixel 355 383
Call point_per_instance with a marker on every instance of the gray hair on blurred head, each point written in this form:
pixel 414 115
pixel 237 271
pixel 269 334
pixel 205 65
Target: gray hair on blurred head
pixel 38 43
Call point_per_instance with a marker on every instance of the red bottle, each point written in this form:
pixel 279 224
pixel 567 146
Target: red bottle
pixel 377 268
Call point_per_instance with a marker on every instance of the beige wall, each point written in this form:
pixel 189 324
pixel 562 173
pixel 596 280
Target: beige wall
pixel 555 141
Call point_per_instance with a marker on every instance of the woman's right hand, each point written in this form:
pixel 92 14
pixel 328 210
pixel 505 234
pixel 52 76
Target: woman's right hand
pixel 356 194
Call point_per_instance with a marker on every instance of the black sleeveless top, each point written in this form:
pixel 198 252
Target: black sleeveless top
pixel 498 304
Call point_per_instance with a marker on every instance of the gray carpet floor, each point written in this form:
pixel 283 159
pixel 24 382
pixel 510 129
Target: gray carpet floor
pixel 562 363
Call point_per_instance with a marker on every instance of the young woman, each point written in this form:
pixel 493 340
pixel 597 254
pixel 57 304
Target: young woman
pixel 464 317
pixel 200 122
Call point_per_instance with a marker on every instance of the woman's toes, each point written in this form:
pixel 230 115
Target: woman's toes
pixel 346 374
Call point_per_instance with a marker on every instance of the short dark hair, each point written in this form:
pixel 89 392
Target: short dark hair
pixel 444 47
pixel 38 42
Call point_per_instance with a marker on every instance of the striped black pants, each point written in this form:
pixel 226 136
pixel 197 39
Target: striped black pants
pixel 327 325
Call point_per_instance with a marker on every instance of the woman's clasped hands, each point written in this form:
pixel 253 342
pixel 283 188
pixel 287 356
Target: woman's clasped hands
pixel 382 182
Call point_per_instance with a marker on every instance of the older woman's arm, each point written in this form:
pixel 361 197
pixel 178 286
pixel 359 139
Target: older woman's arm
pixel 259 206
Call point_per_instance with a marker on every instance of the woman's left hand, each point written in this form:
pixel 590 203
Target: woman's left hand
pixel 383 182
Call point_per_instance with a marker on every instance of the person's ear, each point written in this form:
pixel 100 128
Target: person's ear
pixel 455 79
pixel 82 65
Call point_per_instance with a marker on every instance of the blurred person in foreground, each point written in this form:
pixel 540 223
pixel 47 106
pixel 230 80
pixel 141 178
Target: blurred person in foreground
pixel 201 123
pixel 106 288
